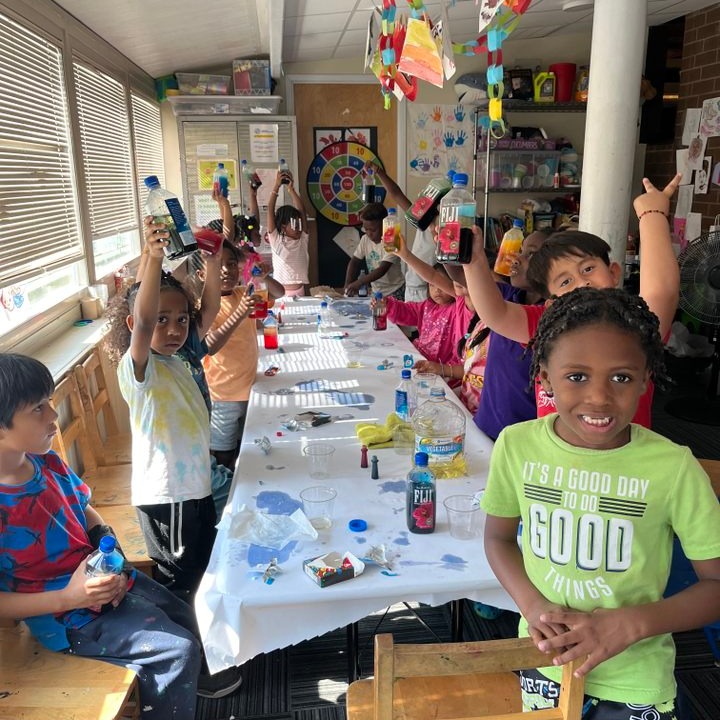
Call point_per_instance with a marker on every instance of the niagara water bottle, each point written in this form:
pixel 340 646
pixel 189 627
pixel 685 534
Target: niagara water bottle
pixel 509 247
pixel 368 186
pixel 106 560
pixel 390 231
pixel 420 498
pixel 284 168
pixel 405 396
pixel 250 175
pixel 457 217
pixel 165 209
pixel 270 331
pixel 221 180
pixel 379 312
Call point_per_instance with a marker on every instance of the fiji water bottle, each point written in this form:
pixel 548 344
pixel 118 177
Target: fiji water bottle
pixel 106 560
pixel 165 208
pixel 457 217
pixel 270 331
pixel 379 312
pixel 250 175
pixel 420 502
pixel 509 247
pixel 405 396
pixel 439 426
pixel 221 182
pixel 368 187
pixel 390 231
pixel 424 209
pixel 284 168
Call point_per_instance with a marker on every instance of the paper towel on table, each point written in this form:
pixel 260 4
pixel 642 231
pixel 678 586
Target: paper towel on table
pixel 272 531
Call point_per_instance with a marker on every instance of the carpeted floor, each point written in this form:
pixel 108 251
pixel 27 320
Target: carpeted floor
pixel 308 682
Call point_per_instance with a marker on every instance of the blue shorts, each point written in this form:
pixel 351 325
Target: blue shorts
pixel 538 692
pixel 227 422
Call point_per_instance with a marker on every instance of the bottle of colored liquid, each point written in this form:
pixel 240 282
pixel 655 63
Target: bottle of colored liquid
pixel 379 313
pixel 270 331
pixel 284 168
pixel 106 560
pixel 422 212
pixel 363 289
pixel 368 187
pixel 250 175
pixel 221 181
pixel 391 231
pixel 509 247
pixel 405 396
pixel 322 319
pixel 420 498
pixel 260 289
pixel 457 217
pixel 165 208
pixel 581 84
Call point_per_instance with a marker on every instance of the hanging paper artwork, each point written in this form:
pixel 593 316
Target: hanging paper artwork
pixel 710 118
pixel 440 138
pixel 420 57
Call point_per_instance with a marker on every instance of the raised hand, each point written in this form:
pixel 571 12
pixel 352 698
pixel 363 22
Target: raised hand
pixel 654 200
pixel 156 237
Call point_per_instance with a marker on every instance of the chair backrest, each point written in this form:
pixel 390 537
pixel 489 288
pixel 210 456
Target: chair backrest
pixel 71 424
pixel 712 468
pixel 96 400
pixel 393 662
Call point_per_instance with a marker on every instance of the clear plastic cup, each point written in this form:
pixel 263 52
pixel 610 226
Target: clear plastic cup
pixel 403 440
pixel 318 459
pixel 424 382
pixel 464 516
pixel 318 504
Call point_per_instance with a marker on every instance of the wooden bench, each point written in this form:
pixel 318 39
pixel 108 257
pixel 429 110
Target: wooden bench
pixel 39 684
pixel 456 680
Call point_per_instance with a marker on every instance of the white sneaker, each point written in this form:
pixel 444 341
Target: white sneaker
pixel 220 684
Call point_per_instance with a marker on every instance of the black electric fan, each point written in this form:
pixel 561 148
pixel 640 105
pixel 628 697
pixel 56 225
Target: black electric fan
pixel 700 298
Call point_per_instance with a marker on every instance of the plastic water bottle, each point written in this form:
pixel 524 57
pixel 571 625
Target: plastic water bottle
pixel 323 318
pixel 368 187
pixel 420 498
pixel 379 313
pixel 250 175
pixel 391 231
pixel 363 289
pixel 457 216
pixel 439 426
pixel 259 288
pixel 221 180
pixel 509 247
pixel 106 560
pixel 421 213
pixel 283 167
pixel 270 331
pixel 405 396
pixel 165 208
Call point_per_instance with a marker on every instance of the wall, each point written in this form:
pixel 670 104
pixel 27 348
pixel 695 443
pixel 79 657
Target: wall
pixel 699 80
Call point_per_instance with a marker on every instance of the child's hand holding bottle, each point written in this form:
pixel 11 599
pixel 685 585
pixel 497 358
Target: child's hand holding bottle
pixel 401 249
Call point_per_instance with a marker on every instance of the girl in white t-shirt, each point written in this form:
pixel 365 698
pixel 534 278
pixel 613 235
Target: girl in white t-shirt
pixel 171 481
pixel 288 238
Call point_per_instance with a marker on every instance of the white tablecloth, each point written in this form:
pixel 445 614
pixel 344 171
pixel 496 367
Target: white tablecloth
pixel 239 615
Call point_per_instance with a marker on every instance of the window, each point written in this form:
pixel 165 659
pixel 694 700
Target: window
pixel 39 226
pixel 107 164
pixel 147 134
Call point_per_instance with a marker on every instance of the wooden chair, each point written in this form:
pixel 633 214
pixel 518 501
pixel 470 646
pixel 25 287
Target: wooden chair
pixel 37 683
pixel 116 447
pixel 455 680
pixel 110 484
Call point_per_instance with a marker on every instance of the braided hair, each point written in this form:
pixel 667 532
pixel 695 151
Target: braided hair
pixel 588 306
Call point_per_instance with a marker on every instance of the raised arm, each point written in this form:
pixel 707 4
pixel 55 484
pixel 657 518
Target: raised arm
pixel 659 271
pixel 298 204
pixel 506 318
pixel 426 272
pixel 225 215
pixel 217 337
pixel 210 298
pixel 396 195
pixel 273 201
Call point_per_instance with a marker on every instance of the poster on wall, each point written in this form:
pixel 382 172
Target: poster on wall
pixel 710 118
pixel 696 152
pixel 702 176
pixel 264 143
pixel 440 138
pixel 206 168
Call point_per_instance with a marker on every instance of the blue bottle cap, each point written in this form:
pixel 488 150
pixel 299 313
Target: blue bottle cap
pixel 405 374
pixel 151 181
pixel 421 459
pixel 107 544
pixel 221 165
pixel 377 295
pixel 460 179
pixel 357 525
pixel 256 271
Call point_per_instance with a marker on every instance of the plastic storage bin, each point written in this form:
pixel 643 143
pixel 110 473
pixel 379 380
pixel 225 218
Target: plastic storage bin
pixel 514 170
pixel 198 84
pixel 251 77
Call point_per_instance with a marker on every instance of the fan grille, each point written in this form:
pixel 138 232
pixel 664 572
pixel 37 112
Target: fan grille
pixel 700 278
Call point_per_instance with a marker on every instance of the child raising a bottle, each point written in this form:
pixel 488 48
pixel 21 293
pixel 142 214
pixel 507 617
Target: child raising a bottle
pixel 600 499
pixel 288 237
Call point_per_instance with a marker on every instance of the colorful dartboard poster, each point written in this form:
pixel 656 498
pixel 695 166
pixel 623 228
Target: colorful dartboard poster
pixel 334 180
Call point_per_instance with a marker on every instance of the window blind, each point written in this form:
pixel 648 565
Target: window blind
pixel 39 225
pixel 107 160
pixel 147 134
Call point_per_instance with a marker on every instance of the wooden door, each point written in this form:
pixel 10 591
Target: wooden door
pixel 342 106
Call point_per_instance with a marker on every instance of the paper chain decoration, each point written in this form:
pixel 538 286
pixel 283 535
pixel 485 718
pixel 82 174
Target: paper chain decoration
pixel 392 39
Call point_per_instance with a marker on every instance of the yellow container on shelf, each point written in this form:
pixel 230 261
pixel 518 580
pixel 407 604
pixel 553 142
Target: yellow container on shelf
pixel 544 83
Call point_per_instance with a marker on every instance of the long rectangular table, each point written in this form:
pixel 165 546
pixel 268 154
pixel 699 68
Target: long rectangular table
pixel 239 615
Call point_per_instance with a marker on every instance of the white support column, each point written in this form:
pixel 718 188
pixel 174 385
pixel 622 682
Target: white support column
pixel 611 131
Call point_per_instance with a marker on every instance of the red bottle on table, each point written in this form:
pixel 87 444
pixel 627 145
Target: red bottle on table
pixel 379 313
pixel 270 331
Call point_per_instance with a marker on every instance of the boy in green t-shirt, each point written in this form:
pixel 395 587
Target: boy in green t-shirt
pixel 600 499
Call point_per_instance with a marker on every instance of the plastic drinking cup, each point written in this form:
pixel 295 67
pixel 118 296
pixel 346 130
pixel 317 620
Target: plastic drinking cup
pixel 318 459
pixel 424 383
pixel 403 440
pixel 464 516
pixel 318 504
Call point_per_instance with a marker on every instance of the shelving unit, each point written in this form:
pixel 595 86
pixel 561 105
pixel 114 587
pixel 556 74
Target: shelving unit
pixel 260 105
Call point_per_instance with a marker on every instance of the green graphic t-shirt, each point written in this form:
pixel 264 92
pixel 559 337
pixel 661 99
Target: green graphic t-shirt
pixel 598 531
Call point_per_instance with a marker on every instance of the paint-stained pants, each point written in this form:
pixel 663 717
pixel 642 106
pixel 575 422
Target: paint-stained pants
pixel 153 633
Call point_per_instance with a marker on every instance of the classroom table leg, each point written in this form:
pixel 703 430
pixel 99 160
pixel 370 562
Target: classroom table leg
pixel 352 652
pixel 456 619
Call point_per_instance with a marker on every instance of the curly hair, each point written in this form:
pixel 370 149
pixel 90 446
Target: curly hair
pixel 587 306
pixel 373 212
pixel 567 243
pixel 117 340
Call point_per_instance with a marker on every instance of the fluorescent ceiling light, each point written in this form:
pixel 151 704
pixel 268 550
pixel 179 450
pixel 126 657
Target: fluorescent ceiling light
pixel 576 5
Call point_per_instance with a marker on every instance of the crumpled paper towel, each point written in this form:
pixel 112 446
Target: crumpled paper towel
pixel 272 531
